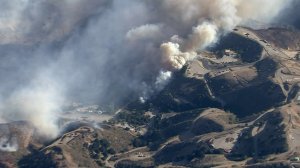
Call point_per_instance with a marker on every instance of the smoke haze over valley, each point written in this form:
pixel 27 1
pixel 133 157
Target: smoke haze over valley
pixel 108 51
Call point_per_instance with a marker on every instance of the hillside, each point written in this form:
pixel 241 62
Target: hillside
pixel 212 113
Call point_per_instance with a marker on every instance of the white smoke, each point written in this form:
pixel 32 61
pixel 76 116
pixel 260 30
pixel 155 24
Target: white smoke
pixel 163 79
pixel 39 103
pixel 104 51
pixel 202 36
pixel 173 57
pixel 144 32
pixel 8 142
pixel 8 145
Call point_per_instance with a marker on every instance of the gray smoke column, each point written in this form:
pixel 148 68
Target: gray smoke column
pixel 29 21
pixel 105 51
pixel 291 16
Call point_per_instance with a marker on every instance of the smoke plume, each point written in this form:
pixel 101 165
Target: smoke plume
pixel 105 51
pixel 8 142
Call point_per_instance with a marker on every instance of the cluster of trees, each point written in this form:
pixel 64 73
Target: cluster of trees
pixel 272 165
pixel 100 149
pixel 184 152
pixel 37 159
pixel 134 118
pixel 153 138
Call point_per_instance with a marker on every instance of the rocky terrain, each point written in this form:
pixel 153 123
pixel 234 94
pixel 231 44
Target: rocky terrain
pixel 236 105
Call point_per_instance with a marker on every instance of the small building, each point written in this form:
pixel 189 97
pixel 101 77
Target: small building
pixel 140 154
pixel 230 53
pixel 227 150
pixel 295 159
pixel 264 41
pixel 298 98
